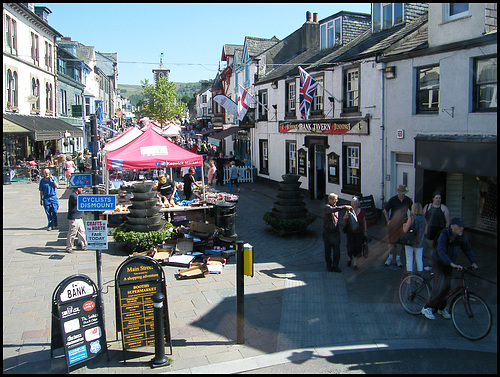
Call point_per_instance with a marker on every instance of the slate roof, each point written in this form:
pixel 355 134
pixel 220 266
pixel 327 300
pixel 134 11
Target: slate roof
pixel 256 46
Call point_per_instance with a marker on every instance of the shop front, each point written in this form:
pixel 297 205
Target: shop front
pixel 25 135
pixel 464 170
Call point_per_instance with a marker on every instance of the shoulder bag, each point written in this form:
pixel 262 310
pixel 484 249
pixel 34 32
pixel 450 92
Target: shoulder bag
pixel 409 238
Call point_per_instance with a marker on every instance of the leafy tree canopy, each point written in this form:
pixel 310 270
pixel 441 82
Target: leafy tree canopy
pixel 161 101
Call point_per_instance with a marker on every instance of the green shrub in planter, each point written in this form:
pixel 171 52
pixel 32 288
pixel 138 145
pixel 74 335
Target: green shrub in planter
pixel 287 226
pixel 139 241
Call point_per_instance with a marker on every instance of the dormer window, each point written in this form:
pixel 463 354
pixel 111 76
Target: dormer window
pixel 331 33
pixel 386 15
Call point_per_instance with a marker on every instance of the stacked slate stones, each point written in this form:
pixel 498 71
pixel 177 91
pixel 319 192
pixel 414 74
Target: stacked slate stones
pixel 144 212
pixel 289 204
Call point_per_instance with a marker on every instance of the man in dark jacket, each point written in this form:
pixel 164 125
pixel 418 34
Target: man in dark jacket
pixel 450 242
pixel 76 226
pixel 331 234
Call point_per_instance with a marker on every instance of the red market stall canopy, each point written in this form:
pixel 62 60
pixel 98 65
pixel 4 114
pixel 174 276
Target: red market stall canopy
pixel 130 134
pixel 151 151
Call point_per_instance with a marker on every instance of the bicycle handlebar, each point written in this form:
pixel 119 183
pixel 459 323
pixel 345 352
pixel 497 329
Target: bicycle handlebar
pixel 470 271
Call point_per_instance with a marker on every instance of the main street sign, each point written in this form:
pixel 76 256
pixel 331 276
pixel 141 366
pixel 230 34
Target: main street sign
pixel 80 180
pixel 96 203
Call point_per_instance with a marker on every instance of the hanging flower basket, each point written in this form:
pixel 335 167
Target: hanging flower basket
pixel 71 142
pixel 65 143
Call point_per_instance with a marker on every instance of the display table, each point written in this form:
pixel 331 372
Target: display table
pixel 168 210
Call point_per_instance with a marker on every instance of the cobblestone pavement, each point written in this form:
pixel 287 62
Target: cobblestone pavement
pixel 291 303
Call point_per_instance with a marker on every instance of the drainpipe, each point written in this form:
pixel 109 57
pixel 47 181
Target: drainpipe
pixel 382 135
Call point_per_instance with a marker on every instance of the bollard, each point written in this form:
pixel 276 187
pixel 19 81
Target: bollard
pixel 240 295
pixel 159 360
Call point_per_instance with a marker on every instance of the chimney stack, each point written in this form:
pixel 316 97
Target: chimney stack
pixel 315 17
pixel 308 16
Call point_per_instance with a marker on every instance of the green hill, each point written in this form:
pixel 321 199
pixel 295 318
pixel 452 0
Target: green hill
pixel 133 92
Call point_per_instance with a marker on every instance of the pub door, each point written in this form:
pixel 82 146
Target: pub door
pixel 317 170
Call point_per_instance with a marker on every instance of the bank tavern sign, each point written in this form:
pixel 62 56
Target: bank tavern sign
pixel 333 126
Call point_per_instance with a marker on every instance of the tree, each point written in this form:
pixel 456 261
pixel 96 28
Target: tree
pixel 161 101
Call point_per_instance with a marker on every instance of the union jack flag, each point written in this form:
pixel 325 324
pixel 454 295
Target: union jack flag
pixel 306 92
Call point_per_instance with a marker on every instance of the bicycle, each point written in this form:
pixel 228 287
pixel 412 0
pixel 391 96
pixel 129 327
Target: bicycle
pixel 470 314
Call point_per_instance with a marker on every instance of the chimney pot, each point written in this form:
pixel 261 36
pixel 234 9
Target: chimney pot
pixel 308 16
pixel 315 17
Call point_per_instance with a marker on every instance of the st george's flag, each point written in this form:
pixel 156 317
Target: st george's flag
pixel 244 100
pixel 306 92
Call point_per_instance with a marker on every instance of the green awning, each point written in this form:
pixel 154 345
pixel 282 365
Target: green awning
pixel 40 128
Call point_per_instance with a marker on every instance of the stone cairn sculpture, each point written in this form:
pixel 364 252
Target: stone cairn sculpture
pixel 289 204
pixel 144 212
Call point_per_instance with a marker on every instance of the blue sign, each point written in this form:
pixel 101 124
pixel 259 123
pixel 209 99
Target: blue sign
pixel 80 180
pixel 96 202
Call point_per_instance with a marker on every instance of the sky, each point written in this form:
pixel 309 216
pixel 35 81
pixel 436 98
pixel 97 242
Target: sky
pixel 190 36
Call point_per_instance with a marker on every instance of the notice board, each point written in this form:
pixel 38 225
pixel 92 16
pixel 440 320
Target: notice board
pixel 137 279
pixel 77 321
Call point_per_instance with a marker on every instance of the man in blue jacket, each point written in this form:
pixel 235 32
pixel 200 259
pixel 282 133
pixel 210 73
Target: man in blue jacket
pixel 48 197
pixel 450 242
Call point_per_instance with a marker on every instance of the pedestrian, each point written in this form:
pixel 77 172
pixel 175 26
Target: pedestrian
pixel 417 220
pixel 233 177
pixel 220 162
pixel 48 197
pixel 211 173
pixel 438 218
pixel 450 241
pixel 188 183
pixel 76 226
pixel 166 191
pixel 69 167
pixel 356 231
pixel 331 234
pixel 80 163
pixel 398 206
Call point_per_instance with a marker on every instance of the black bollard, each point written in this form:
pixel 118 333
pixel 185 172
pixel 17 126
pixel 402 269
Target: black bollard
pixel 159 360
pixel 240 294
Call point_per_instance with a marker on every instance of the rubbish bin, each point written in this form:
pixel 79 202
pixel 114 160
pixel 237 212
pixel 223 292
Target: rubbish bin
pixel 6 175
pixel 225 218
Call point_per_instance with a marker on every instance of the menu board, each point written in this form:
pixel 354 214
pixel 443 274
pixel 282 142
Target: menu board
pixel 368 205
pixel 136 281
pixel 137 314
pixel 77 320
pixel 302 165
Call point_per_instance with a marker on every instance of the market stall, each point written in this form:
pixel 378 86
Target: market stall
pixel 150 150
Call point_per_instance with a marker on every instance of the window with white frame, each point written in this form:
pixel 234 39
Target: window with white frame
pixel 317 103
pixel 64 102
pixel 12 88
pixel 386 15
pixel 331 33
pixel 35 91
pixel 35 49
pixel 291 157
pixel 48 97
pixel 263 156
pixel 290 98
pixel 10 35
pixel 48 56
pixel 351 80
pixel 87 106
pixel 454 11
pixel 262 105
pixel 61 66
pixel 351 168
pixel 428 90
pixel 485 84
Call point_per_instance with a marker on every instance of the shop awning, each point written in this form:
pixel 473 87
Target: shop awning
pixel 40 128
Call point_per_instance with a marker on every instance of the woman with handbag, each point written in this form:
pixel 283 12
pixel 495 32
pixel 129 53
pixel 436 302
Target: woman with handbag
pixel 413 238
pixel 356 232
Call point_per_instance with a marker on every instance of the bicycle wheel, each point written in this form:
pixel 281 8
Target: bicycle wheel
pixel 471 317
pixel 413 293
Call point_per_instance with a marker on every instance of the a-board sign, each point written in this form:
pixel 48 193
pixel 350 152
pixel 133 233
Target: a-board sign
pixel 77 320
pixel 368 205
pixel 96 233
pixel 137 279
pixel 302 165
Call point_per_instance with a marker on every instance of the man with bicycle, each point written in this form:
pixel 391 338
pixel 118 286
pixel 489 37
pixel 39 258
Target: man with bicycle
pixel 450 242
